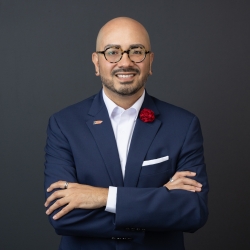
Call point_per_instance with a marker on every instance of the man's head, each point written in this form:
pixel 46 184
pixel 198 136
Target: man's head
pixel 124 77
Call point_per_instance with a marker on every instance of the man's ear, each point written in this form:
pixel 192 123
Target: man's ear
pixel 96 63
pixel 151 58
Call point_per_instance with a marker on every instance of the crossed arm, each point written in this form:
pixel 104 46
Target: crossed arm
pixel 89 197
pixel 180 205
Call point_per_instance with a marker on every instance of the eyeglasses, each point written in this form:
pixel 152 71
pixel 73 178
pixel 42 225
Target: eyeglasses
pixel 114 54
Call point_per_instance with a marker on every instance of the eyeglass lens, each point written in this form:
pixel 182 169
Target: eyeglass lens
pixel 114 54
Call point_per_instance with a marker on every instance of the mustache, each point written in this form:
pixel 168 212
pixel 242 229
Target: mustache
pixel 115 71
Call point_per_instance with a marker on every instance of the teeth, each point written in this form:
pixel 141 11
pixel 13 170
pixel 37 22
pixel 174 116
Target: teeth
pixel 124 76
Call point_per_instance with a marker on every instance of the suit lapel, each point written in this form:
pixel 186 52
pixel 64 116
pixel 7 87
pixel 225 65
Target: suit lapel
pixel 105 139
pixel 143 135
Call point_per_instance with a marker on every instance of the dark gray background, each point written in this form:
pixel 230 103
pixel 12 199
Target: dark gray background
pixel 201 63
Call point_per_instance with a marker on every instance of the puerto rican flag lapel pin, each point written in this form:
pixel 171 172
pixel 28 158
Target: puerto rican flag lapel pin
pixel 97 122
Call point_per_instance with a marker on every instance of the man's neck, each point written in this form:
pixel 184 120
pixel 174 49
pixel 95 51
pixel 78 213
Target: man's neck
pixel 123 101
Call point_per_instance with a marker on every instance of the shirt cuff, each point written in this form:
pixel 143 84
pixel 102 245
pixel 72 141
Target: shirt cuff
pixel 111 202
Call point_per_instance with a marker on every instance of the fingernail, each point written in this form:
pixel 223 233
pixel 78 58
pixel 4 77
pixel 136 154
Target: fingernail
pixel 54 217
pixel 47 189
pixel 45 205
pixel 47 212
pixel 199 185
pixel 192 190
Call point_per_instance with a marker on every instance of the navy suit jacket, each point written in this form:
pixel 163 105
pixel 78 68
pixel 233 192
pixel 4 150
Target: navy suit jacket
pixel 154 217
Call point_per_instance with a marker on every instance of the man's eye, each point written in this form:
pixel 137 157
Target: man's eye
pixel 112 52
pixel 137 52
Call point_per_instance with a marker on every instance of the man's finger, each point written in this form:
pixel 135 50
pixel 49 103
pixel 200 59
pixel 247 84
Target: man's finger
pixel 58 184
pixel 64 211
pixel 188 181
pixel 55 195
pixel 183 187
pixel 189 188
pixel 183 174
pixel 59 203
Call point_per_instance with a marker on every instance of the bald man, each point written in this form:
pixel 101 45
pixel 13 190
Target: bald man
pixel 123 169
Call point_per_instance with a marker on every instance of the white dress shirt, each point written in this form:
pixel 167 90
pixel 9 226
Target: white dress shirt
pixel 123 123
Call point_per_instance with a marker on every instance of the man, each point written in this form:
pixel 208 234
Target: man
pixel 124 170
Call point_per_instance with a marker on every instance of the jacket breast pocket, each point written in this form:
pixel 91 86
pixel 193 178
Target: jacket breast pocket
pixel 155 175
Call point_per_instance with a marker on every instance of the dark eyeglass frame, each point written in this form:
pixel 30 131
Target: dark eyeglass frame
pixel 122 52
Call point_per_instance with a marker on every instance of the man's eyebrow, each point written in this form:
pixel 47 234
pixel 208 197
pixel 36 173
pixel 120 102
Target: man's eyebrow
pixel 119 46
pixel 112 45
pixel 136 46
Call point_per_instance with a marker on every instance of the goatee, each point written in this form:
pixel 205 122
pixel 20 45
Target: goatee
pixel 126 88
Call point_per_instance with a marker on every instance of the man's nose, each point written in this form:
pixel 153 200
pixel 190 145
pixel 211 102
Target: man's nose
pixel 125 61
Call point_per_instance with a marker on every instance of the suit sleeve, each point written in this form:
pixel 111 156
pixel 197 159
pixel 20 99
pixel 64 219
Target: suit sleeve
pixel 59 165
pixel 160 209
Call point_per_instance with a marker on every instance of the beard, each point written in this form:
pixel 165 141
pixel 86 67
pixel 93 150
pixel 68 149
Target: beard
pixel 126 88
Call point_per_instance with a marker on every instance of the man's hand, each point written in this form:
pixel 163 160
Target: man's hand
pixel 75 196
pixel 182 181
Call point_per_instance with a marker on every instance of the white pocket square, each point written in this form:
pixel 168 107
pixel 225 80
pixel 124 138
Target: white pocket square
pixel 155 161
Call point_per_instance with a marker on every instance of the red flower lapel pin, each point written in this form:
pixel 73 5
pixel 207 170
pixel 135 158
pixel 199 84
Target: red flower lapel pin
pixel 147 115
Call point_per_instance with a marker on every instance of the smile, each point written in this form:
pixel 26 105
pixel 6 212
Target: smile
pixel 125 76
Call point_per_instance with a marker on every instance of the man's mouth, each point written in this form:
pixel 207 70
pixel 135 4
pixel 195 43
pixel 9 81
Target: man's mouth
pixel 125 76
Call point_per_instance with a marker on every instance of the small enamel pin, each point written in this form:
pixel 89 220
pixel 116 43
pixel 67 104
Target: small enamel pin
pixel 97 122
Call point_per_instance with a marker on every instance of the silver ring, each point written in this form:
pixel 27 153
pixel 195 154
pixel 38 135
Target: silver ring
pixel 171 179
pixel 66 185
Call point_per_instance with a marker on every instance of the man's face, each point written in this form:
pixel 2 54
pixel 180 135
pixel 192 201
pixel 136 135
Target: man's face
pixel 124 78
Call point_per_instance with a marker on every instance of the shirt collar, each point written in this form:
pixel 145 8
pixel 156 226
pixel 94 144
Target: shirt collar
pixel 111 105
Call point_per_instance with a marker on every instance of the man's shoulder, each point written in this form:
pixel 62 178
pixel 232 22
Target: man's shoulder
pixel 174 118
pixel 79 108
pixel 170 110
